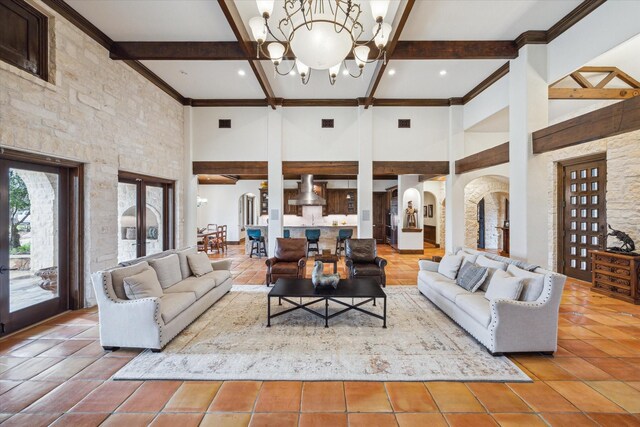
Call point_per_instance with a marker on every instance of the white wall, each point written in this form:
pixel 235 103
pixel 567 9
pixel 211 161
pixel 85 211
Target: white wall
pixel 425 140
pixel 489 102
pixel 475 142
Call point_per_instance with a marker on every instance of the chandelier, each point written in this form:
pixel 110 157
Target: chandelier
pixel 320 35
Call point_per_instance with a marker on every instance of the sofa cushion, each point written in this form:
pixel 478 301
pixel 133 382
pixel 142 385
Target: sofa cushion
pixel 198 285
pixel 185 270
pixel 471 276
pixel 143 285
pixel 532 283
pixel 365 269
pixel 430 277
pixel 476 306
pixel 449 266
pixel 449 290
pixel 492 265
pixel 167 269
pixel 520 264
pixel 220 275
pixel 200 264
pixel 504 286
pixel 171 305
pixel 118 275
pixel 285 268
pixel 467 257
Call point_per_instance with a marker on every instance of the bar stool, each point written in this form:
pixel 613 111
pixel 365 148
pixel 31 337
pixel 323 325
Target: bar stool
pixel 313 239
pixel 286 234
pixel 343 235
pixel 257 243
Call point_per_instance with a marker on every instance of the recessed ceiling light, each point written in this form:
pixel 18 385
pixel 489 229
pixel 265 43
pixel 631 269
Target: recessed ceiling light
pixel 392 72
pixel 292 72
pixel 443 72
pixel 345 72
pixel 241 72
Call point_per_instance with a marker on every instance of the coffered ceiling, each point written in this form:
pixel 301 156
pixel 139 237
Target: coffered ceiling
pixel 237 75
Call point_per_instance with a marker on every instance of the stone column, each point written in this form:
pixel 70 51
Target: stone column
pixel 190 186
pixel 454 197
pixel 365 173
pixel 276 182
pixel 528 112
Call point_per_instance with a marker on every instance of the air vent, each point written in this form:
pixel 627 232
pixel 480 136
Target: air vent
pixel 224 123
pixel 327 123
pixel 404 123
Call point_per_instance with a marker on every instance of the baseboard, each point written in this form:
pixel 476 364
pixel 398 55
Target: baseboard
pixel 235 242
pixel 411 251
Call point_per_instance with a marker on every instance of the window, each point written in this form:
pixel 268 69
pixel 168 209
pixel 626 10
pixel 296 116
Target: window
pixel 23 37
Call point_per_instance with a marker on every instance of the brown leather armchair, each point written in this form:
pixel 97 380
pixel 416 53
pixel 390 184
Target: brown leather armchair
pixel 289 260
pixel 362 260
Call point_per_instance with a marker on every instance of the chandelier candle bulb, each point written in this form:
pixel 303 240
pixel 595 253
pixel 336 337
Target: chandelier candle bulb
pixel 276 51
pixel 382 36
pixel 265 7
pixel 259 29
pixel 361 54
pixel 379 9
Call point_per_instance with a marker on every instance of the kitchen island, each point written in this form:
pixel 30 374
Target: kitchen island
pixel 328 234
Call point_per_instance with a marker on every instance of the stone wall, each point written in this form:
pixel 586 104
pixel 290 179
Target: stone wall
pixel 623 184
pixel 99 112
pixel 475 191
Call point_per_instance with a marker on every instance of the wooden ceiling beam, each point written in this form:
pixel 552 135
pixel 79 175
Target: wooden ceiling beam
pixel 183 51
pixel 395 168
pixel 455 49
pixel 493 156
pixel 592 93
pixel 237 26
pixel 248 168
pixel 398 25
pixel 320 168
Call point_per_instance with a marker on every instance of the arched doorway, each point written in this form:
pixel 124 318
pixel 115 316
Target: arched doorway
pixel 486 210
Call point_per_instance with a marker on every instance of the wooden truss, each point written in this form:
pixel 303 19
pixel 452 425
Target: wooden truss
pixel 599 90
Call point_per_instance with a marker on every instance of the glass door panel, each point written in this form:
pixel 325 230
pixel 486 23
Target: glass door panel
pixel 127 221
pixel 154 219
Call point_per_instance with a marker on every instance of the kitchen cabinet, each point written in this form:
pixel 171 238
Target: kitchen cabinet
pixel 264 201
pixel 342 201
pixel 290 194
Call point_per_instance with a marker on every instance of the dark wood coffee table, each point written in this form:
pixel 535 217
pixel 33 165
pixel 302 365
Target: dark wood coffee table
pixel 285 289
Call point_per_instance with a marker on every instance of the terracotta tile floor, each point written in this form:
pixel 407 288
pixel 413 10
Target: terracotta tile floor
pixel 58 373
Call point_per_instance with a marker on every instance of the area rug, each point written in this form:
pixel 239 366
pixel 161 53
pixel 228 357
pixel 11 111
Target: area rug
pixel 231 342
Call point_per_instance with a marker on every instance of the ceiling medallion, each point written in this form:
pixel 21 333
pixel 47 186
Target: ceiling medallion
pixel 320 34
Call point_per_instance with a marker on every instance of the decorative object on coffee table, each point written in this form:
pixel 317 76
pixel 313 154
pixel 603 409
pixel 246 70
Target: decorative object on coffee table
pixel 329 259
pixel 628 246
pixel 321 280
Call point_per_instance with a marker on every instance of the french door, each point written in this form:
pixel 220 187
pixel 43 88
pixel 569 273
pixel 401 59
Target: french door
pixel 145 215
pixel 582 214
pixel 35 239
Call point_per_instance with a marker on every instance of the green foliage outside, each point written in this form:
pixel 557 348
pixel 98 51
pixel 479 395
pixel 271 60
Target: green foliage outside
pixel 19 209
pixel 21 250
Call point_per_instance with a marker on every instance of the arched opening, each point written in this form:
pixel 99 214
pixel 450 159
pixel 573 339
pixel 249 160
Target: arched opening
pixel 486 210
pixel 247 213
pixel 431 219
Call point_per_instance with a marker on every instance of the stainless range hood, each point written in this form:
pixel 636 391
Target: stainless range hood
pixel 307 197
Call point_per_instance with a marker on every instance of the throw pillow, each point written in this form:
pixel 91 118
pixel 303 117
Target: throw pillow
pixel 471 276
pixel 449 266
pixel 168 270
pixel 200 264
pixel 143 285
pixel 493 266
pixel 533 283
pixel 504 286
pixel 467 257
pixel 118 275
pixel 184 264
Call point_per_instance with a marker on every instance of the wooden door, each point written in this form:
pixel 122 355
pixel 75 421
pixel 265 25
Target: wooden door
pixel 480 215
pixel 379 205
pixel 582 214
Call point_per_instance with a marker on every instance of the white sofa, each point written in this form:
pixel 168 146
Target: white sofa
pixel 502 326
pixel 153 322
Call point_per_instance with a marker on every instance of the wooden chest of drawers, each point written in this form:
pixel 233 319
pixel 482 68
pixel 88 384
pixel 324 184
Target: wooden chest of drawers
pixel 616 275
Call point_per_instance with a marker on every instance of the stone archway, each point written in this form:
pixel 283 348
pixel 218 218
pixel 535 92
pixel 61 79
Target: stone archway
pixel 494 189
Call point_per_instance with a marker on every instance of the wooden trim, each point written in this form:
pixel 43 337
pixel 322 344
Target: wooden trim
pixel 320 168
pixel 411 251
pixel 318 102
pixel 43 159
pixel 609 121
pixel 71 15
pixel 592 93
pixel 531 37
pixel 230 168
pixel 493 156
pixel 483 85
pixel 237 26
pixel 76 240
pixel 398 25
pixel 389 168
pixel 227 102
pixel 572 18
pixel 133 176
pixel 455 49
pixel 399 102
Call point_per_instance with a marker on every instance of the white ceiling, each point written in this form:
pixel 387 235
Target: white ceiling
pixel 156 20
pixel 422 79
pixel 482 20
pixel 203 20
pixel 209 79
